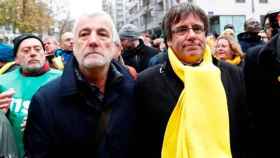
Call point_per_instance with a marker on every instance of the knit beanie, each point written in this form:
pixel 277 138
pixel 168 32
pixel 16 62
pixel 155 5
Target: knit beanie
pixel 17 41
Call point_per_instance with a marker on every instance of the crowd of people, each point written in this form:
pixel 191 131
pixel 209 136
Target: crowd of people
pixel 105 93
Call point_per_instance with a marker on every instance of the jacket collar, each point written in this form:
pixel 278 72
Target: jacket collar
pixel 70 79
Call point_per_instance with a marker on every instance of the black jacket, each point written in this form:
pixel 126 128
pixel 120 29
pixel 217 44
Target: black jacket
pixel 262 76
pixel 157 91
pixel 65 117
pixel 248 40
pixel 139 57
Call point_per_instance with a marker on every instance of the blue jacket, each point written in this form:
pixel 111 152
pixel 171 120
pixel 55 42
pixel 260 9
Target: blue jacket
pixel 65 55
pixel 6 53
pixel 64 117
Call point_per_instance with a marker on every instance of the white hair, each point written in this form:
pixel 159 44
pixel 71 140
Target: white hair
pixel 115 35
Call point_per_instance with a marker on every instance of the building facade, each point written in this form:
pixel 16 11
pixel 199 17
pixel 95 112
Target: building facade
pixel 116 9
pixel 235 12
pixel 148 14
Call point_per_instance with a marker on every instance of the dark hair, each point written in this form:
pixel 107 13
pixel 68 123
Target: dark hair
pixel 177 12
pixel 271 16
pixel 229 26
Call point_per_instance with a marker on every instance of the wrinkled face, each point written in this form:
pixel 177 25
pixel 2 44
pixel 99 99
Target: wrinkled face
pixel 94 45
pixel 50 46
pixel 31 55
pixel 66 42
pixel 253 26
pixel 188 39
pixel 223 50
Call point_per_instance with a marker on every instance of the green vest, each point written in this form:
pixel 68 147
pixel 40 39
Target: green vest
pixel 25 87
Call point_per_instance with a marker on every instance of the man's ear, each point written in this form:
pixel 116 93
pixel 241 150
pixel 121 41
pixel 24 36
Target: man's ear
pixel 17 60
pixel 169 44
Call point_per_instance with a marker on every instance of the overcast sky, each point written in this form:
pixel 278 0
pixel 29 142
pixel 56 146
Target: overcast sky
pixel 79 7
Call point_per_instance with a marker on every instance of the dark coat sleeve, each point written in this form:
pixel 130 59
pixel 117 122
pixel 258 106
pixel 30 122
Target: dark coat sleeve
pixel 262 71
pixel 37 133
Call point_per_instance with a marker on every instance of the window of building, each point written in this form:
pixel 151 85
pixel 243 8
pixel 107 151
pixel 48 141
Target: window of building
pixel 240 1
pixel 263 1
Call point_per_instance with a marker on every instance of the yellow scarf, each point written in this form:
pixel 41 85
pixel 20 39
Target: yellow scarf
pixel 4 68
pixel 199 125
pixel 58 63
pixel 235 61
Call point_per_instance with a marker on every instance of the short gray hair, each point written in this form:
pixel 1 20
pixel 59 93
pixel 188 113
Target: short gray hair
pixel 115 35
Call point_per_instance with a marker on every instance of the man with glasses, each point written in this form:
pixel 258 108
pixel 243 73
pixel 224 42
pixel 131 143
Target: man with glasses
pixel 190 106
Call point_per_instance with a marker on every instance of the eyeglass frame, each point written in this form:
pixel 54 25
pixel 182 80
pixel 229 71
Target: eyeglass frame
pixel 182 30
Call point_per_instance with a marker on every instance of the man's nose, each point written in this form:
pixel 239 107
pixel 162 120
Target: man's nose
pixel 190 34
pixel 93 39
pixel 33 53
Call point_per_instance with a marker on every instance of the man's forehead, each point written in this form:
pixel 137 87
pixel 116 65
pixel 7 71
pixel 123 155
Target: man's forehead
pixel 189 18
pixel 66 36
pixel 252 20
pixel 50 41
pixel 30 42
pixel 94 22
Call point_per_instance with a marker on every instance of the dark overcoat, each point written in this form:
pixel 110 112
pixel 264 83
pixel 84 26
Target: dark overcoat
pixel 157 91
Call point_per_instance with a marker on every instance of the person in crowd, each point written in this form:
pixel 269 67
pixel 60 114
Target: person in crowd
pixel 158 44
pixel 262 65
pixel 118 56
pixel 6 57
pixel 196 108
pixel 268 26
pixel 66 47
pixel 229 26
pixel 89 110
pixel 263 36
pixel 146 37
pixel 159 58
pixel 6 50
pixel 211 41
pixel 136 53
pixel 8 147
pixel 229 50
pixel 228 32
pixel 51 45
pixel 17 87
pixel 250 37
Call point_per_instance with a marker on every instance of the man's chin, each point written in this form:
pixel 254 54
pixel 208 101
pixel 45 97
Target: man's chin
pixel 93 64
pixel 33 69
pixel 195 52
